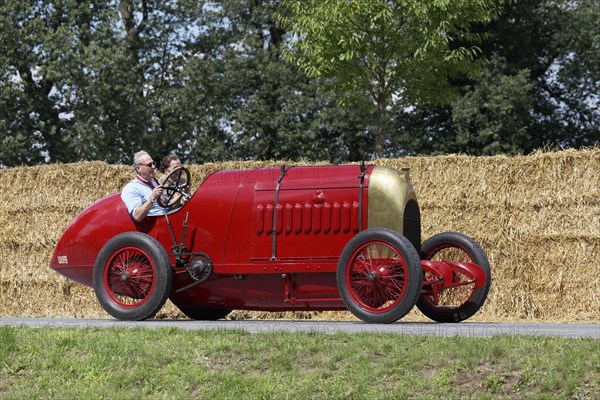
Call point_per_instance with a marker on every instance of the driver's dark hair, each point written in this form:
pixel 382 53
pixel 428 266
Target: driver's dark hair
pixel 166 161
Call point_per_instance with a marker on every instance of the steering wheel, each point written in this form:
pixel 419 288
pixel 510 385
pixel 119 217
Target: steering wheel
pixel 176 186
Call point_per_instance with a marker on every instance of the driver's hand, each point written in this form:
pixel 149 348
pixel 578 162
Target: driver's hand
pixel 157 191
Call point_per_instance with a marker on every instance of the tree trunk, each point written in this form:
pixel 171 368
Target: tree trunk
pixel 133 47
pixel 381 129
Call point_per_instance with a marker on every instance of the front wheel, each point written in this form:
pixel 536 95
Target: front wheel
pixel 454 296
pixel 132 276
pixel 379 276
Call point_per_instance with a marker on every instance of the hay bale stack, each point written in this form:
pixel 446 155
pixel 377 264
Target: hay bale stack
pixel 536 216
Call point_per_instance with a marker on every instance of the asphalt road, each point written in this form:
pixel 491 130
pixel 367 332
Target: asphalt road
pixel 469 329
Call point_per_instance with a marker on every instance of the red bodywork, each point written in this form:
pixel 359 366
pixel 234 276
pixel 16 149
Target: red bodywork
pixel 276 239
pixel 230 218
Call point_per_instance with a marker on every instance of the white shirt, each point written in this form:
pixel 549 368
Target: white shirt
pixel 136 193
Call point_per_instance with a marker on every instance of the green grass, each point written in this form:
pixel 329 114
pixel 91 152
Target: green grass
pixel 136 363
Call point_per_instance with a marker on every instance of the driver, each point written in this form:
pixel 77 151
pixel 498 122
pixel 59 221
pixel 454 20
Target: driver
pixel 141 194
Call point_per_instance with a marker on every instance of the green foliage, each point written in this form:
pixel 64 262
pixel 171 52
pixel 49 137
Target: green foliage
pixel 395 52
pixel 73 79
pixel 494 116
pixel 569 87
pixel 249 101
pixel 539 90
pixel 385 48
pixel 555 42
pixel 100 79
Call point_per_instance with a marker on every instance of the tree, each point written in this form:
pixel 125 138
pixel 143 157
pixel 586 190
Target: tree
pixel 36 45
pixel 80 79
pixel 495 115
pixel 101 79
pixel 545 58
pixel 133 74
pixel 69 81
pixel 251 99
pixel 491 116
pixel 396 52
pixel 567 74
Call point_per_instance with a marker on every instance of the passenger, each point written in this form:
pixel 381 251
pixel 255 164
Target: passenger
pixel 168 164
pixel 141 194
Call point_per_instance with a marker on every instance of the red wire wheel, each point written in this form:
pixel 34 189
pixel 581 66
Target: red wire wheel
pixel 379 276
pixel 129 277
pixel 457 296
pixel 132 276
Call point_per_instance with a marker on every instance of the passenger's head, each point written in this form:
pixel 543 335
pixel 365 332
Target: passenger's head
pixel 169 162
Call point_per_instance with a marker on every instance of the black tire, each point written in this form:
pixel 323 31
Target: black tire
pixel 205 314
pixel 132 276
pixel 379 276
pixel 458 306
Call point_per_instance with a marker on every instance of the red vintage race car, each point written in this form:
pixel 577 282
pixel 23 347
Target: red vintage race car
pixel 277 239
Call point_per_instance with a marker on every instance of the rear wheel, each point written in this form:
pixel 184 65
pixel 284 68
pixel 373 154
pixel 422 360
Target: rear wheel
pixel 462 297
pixel 132 276
pixel 379 276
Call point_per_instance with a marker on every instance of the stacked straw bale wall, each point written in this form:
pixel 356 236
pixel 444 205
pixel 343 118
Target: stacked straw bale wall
pixel 536 216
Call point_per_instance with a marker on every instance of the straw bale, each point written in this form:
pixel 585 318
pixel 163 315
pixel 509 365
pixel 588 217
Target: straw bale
pixel 536 216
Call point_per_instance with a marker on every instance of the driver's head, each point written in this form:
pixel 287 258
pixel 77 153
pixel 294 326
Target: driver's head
pixel 144 165
pixel 169 163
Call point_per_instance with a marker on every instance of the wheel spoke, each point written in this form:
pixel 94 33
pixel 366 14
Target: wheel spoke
pixel 129 277
pixel 376 276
